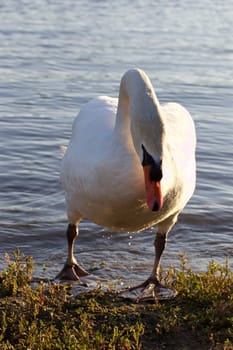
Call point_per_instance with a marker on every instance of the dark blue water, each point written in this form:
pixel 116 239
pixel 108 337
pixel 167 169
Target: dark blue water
pixel 54 57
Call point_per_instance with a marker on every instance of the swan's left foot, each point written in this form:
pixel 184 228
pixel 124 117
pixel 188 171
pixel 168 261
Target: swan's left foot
pixel 150 290
pixel 72 273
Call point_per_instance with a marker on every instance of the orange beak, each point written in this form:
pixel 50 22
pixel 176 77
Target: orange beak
pixel 154 197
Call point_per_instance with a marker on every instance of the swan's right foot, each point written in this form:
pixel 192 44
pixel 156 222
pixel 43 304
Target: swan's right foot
pixel 150 290
pixel 72 273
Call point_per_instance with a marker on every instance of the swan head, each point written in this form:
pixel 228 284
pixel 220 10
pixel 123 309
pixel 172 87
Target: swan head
pixel 152 176
pixel 139 104
pixel 148 135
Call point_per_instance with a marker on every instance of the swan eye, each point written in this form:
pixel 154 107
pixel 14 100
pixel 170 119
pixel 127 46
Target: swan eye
pixel 156 169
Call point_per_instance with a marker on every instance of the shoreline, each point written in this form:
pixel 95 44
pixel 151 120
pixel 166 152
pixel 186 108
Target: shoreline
pixel 50 316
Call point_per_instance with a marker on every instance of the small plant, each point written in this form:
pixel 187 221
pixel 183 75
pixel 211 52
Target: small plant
pixel 17 274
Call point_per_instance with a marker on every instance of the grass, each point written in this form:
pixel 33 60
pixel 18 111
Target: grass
pixel 48 316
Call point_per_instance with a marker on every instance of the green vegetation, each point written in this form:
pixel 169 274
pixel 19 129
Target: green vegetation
pixel 43 315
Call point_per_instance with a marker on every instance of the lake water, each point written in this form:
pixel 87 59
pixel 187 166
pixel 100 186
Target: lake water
pixel 54 56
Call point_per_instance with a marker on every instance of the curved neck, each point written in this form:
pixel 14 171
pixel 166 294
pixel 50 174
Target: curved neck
pixel 139 112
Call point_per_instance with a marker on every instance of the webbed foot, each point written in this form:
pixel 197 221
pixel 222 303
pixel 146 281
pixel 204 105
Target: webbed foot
pixel 150 290
pixel 72 273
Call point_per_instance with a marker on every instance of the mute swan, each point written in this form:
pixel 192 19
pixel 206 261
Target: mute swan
pixel 130 165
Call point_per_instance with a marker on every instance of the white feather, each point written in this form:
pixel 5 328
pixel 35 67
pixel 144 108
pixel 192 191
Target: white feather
pixel 63 150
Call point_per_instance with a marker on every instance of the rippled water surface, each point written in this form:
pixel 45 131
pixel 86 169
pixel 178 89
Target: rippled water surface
pixel 56 55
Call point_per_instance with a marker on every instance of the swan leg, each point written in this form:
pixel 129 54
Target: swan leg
pixel 71 270
pixel 152 289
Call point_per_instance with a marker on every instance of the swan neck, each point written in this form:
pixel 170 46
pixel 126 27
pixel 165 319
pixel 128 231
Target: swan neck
pixel 139 111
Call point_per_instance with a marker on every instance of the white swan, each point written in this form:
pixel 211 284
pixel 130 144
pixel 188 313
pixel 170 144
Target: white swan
pixel 130 164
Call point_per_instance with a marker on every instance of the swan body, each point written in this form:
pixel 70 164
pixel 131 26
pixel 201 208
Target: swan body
pixel 102 172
